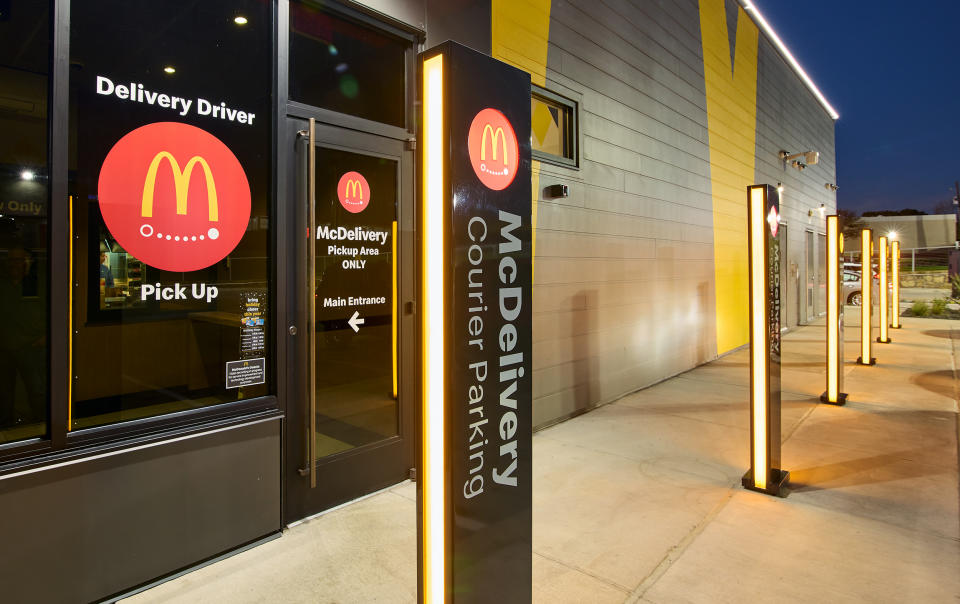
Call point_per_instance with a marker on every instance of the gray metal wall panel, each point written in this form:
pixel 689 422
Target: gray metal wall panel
pixel 465 21
pixel 790 118
pixel 624 277
pixel 85 531
pixel 411 12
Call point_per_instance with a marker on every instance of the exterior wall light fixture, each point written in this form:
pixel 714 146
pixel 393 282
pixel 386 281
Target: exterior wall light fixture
pixel 800 160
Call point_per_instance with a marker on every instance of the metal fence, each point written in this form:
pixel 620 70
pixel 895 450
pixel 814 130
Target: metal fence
pixel 921 259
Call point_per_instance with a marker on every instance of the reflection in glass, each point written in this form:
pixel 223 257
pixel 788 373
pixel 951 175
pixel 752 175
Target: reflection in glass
pixel 342 66
pixel 24 196
pixel 553 127
pixel 822 273
pixel 136 355
pixel 549 127
pixel 355 402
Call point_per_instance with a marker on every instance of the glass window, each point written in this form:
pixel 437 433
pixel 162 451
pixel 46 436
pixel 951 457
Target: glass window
pixel 821 273
pixel 339 65
pixel 24 196
pixel 170 145
pixel 355 403
pixel 553 128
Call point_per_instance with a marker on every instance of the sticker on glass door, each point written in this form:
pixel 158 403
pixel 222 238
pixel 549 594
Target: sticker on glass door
pixel 353 191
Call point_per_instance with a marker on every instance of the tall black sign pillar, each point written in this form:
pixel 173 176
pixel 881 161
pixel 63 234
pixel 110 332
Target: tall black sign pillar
pixel 474 480
pixel 763 228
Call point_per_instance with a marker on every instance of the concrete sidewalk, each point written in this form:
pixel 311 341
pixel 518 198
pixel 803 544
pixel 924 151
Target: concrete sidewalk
pixel 909 295
pixel 639 500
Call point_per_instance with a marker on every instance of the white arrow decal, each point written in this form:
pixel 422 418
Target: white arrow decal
pixel 355 322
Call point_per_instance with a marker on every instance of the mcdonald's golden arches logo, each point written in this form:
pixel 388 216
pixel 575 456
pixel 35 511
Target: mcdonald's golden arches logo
pixel 174 196
pixel 494 152
pixel 353 191
pixel 181 184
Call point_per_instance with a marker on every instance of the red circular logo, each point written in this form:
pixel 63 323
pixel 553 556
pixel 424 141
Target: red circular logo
pixel 353 192
pixel 493 148
pixel 174 196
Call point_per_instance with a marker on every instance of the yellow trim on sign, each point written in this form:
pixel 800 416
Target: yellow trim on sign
pixel 882 260
pixel 895 268
pixel 866 294
pixel 393 307
pixel 434 199
pixel 834 243
pixel 758 337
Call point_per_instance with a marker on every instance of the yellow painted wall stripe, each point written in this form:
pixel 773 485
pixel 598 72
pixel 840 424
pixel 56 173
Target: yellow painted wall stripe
pixel 520 31
pixel 732 127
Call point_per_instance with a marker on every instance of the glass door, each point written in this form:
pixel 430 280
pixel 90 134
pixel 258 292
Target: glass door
pixel 821 274
pixel 349 427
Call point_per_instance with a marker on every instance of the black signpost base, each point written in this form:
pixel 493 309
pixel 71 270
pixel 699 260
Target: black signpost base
pixel 776 486
pixel 873 361
pixel 887 341
pixel 841 399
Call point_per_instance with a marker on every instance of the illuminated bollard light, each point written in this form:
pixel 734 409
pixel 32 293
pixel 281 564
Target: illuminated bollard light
pixel 866 299
pixel 763 226
pixel 884 337
pixel 833 394
pixel 895 278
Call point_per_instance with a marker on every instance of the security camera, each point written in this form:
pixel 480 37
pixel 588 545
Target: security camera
pixel 810 158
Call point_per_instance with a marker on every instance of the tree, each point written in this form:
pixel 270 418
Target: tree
pixel 944 207
pixel 851 223
pixel 903 212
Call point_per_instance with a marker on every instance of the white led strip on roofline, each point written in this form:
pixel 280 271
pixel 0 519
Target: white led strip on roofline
pixel 749 6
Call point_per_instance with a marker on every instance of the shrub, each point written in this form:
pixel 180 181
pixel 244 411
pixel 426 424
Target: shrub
pixel 938 306
pixel 919 309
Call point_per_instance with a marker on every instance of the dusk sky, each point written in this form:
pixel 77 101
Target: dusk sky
pixel 890 69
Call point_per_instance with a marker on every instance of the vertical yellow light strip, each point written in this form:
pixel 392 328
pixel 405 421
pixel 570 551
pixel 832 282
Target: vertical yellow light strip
pixel 882 259
pixel 833 309
pixel 433 488
pixel 895 268
pixel 393 308
pixel 70 318
pixel 758 336
pixel 866 287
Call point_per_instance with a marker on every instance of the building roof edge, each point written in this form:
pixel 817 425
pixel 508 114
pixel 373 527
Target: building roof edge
pixel 757 17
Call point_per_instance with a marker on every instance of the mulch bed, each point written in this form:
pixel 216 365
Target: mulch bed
pixel 946 314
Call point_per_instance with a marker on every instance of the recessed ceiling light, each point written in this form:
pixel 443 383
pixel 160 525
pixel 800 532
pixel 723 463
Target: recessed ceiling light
pixel 240 20
pixel 170 69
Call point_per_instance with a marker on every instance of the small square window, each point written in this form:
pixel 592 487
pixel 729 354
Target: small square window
pixel 553 128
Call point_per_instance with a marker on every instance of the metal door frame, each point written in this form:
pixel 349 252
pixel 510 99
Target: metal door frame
pixel 291 348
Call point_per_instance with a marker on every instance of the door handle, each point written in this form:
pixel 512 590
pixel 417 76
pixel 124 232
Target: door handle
pixel 310 468
pixel 312 306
